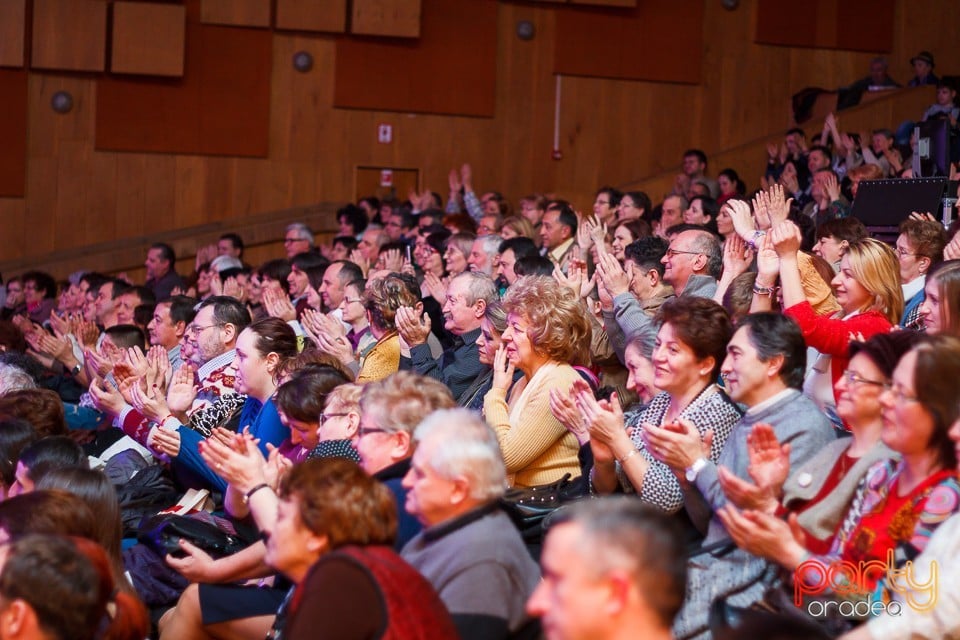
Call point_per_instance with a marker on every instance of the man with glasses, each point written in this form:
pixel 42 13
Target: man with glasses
pixel 297 239
pixel 211 339
pixel 692 263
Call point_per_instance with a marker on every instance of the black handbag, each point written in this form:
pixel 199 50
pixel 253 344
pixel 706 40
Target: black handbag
pixel 163 533
pixel 529 507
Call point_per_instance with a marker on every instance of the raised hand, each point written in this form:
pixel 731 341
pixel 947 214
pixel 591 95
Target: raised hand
pixel 412 328
pixel 769 460
pixel 777 206
pixel 741 218
pixel 392 260
pixel 786 239
pixel 737 257
pixel 611 274
pixel 358 259
pixel 466 177
pixel 831 187
pixel 150 402
pixel 565 410
pixel 503 370
pixel 105 397
pixel 435 287
pixel 182 391
pixel 768 262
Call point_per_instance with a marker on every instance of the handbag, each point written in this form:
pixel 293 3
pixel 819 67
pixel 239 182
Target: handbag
pixel 163 533
pixel 529 507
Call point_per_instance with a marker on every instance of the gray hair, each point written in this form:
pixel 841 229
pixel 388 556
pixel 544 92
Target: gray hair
pixel 13 378
pixel 465 447
pixel 490 244
pixel 303 231
pixel 706 243
pixel 479 287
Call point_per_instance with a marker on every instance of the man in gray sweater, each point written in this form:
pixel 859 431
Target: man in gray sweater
pixel 763 371
pixel 469 549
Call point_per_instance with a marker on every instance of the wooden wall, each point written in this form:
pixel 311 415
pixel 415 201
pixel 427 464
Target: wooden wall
pixel 612 132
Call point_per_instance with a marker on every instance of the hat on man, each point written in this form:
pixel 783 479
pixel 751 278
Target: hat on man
pixel 924 56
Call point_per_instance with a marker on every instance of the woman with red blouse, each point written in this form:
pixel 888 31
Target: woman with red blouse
pixel 867 289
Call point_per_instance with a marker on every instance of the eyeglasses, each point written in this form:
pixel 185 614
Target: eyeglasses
pixel 903 254
pixel 290 240
pixel 673 252
pixel 195 330
pixel 901 396
pixel 326 416
pixel 362 431
pixel 853 378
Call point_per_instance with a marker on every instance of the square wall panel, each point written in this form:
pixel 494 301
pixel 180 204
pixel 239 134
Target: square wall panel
pixel 69 35
pixel 148 38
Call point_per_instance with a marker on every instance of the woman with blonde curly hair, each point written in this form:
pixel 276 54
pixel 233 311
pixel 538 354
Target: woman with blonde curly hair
pixel 381 300
pixel 547 332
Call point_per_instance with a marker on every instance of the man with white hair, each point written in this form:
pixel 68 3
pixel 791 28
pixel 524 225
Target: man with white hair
pixel 483 254
pixel 469 550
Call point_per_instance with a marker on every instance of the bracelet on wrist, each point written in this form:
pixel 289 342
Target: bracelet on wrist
pixel 762 291
pixel 632 453
pixel 249 494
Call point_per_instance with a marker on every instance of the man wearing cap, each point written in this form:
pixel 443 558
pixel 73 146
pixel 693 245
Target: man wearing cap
pixel 923 69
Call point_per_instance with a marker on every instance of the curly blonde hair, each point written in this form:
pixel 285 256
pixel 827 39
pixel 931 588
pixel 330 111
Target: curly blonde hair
pixel 383 297
pixel 559 325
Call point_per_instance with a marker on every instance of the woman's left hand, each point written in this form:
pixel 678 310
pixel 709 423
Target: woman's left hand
pixel 503 370
pixel 240 463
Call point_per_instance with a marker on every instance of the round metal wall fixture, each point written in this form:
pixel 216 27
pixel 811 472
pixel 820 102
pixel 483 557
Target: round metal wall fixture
pixel 525 30
pixel 61 102
pixel 302 61
pixel 730 5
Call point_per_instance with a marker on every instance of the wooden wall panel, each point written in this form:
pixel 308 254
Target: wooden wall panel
pixel 394 18
pixel 628 133
pixel 237 13
pixel 13 25
pixel 826 24
pixel 312 15
pixel 70 35
pixel 657 41
pixel 13 132
pixel 442 72
pixel 148 38
pixel 220 107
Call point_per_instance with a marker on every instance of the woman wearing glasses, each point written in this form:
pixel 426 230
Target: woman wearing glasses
pixel 820 490
pixel 919 249
pixel 901 501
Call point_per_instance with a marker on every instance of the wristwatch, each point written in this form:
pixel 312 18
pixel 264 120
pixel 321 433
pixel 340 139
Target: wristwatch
pixel 691 472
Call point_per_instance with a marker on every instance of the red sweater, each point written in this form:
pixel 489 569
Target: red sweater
pixel 832 336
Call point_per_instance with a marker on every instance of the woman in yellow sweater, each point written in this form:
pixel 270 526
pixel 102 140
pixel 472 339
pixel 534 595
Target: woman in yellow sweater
pixel 548 330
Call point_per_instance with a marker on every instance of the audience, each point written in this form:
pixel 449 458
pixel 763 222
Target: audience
pixel 587 354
